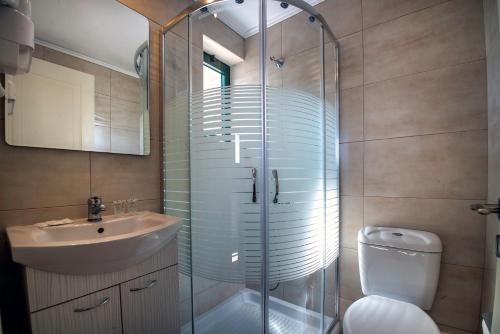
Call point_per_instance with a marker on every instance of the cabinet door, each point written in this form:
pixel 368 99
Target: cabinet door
pixel 150 303
pixel 98 313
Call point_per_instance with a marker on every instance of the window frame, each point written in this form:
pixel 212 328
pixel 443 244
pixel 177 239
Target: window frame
pixel 215 64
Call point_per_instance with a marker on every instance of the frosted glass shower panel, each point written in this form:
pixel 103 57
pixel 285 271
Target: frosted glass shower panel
pixel 225 212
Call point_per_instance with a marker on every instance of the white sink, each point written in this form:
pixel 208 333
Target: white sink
pixel 81 247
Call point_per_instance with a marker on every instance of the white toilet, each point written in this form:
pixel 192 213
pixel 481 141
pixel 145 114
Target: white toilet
pixel 399 271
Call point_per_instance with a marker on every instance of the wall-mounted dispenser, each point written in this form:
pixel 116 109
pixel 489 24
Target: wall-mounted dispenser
pixel 17 34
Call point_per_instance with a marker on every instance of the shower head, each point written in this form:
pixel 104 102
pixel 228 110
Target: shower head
pixel 279 63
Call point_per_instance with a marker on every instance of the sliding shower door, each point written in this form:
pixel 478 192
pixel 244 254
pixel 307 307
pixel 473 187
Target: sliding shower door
pixel 303 171
pixel 251 166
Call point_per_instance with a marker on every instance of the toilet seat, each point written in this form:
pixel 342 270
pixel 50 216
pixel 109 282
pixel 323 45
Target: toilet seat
pixel 381 315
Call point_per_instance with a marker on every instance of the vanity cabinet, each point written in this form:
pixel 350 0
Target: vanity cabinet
pixel 148 301
pixel 92 314
pixel 140 299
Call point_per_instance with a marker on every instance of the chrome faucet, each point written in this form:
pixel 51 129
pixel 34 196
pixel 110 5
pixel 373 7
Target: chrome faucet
pixel 95 207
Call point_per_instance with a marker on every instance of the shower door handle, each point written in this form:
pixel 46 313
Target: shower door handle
pixel 254 185
pixel 276 185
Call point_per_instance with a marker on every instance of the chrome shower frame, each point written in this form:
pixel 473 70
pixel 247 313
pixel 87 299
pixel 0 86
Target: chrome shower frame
pixel 195 6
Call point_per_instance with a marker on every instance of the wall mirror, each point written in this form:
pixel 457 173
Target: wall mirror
pixel 88 84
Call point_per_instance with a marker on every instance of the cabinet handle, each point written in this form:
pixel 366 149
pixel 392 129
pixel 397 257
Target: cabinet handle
pixel 149 285
pixel 84 309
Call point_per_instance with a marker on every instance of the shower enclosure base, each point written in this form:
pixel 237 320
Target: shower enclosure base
pixel 240 314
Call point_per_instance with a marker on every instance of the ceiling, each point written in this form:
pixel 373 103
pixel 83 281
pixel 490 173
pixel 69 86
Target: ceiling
pixel 103 31
pixel 244 19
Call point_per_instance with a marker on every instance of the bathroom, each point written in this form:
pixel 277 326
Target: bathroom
pixel 249 166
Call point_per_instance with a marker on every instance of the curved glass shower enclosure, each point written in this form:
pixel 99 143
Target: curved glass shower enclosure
pixel 251 165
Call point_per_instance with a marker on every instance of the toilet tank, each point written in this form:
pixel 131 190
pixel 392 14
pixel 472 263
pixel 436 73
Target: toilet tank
pixel 398 263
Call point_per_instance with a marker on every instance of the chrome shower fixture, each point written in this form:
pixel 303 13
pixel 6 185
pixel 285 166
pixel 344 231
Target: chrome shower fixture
pixel 280 62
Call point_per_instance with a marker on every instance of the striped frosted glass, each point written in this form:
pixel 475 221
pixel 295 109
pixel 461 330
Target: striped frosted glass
pixel 224 147
pixel 176 172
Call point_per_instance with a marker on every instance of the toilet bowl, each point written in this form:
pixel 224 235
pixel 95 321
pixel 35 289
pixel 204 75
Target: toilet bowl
pixel 399 272
pixel 382 315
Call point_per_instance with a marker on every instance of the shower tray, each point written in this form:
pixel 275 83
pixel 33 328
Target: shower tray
pixel 240 314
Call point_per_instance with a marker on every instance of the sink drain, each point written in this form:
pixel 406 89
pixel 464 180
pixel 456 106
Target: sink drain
pixel 100 230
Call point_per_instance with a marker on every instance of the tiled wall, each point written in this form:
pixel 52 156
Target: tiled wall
pixel 412 130
pixel 44 184
pixel 493 65
pixel 413 136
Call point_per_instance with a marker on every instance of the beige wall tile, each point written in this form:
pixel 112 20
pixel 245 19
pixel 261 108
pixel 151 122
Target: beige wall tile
pixel 461 231
pixel 351 169
pixel 351 61
pixel 155 52
pixel 350 285
pixel 451 330
pixel 458 298
pixel 343 306
pixel 445 100
pixel 378 11
pixel 302 72
pixel 351 115
pixel 125 141
pixel 436 166
pixel 331 278
pixel 274 44
pixel 488 293
pixel 176 65
pixel 442 35
pixel 299 34
pixel 102 77
pixel 33 178
pixel 330 305
pixel 124 176
pixel 32 216
pixel 215 295
pixel 101 74
pixel 247 72
pixel 155 110
pixel 102 138
pixel 153 205
pixel 343 16
pixel 102 110
pixel 351 220
pixel 125 114
pixel 125 87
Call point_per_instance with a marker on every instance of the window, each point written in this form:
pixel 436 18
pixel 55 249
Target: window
pixel 215 72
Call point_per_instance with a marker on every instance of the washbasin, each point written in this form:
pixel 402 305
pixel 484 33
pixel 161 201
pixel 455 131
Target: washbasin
pixel 115 243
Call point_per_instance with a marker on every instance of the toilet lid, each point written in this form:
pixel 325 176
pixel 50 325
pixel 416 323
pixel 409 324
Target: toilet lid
pixel 381 315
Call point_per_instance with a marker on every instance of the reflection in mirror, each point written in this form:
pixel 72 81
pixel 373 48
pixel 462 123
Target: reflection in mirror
pixel 88 84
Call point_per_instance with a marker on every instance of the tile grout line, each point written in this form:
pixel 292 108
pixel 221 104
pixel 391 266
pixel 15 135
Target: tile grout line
pixel 466 62
pixel 65 206
pixel 414 136
pixel 417 198
pixel 407 14
pixel 442 262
